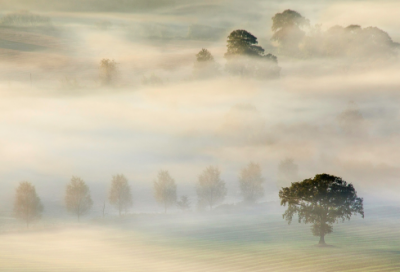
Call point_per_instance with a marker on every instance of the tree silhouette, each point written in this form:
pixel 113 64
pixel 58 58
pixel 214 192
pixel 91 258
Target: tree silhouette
pixel 286 27
pixel 246 58
pixel 251 183
pixel 204 56
pixel 27 204
pixel 210 188
pixel 165 190
pixel 77 197
pixel 120 193
pixel 321 201
pixel 241 42
pixel 205 66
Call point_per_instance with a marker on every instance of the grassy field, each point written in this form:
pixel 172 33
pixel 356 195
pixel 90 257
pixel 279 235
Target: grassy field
pixel 207 242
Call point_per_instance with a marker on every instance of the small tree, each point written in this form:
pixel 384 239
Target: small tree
pixel 251 183
pixel 205 66
pixel 77 197
pixel 204 56
pixel 108 72
pixel 321 201
pixel 165 190
pixel 27 204
pixel 210 188
pixel 120 193
pixel 184 203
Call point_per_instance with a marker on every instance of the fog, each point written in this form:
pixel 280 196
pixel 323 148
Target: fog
pixel 334 113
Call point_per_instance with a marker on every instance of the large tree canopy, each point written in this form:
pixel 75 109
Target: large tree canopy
pixel 286 27
pixel 288 18
pixel 242 42
pixel 246 58
pixel 321 201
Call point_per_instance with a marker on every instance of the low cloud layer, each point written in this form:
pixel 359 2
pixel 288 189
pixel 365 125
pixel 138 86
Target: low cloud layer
pixel 338 116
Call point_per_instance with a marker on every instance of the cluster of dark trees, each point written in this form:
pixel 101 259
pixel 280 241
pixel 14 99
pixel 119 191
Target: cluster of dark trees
pixel 320 201
pixel 244 58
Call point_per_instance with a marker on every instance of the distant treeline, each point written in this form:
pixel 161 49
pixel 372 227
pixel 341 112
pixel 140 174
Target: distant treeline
pixel 25 19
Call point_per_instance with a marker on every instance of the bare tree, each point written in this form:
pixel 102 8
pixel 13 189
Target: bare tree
pixel 77 197
pixel 210 188
pixel 251 183
pixel 184 203
pixel 287 172
pixel 27 204
pixel 108 71
pixel 165 190
pixel 120 193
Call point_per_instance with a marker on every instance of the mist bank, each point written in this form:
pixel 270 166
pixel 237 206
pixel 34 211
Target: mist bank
pixel 328 114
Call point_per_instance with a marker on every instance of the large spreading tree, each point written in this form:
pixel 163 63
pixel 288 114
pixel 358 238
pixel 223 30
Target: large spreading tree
pixel 321 201
pixel 246 58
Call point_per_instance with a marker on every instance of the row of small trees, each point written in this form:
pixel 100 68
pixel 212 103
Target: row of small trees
pixel 320 201
pixel 244 58
pixel 210 188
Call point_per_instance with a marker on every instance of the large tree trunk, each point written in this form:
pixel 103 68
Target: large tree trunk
pixel 322 239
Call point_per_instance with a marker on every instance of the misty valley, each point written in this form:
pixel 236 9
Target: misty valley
pixel 199 136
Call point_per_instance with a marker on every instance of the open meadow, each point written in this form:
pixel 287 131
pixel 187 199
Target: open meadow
pixel 239 241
